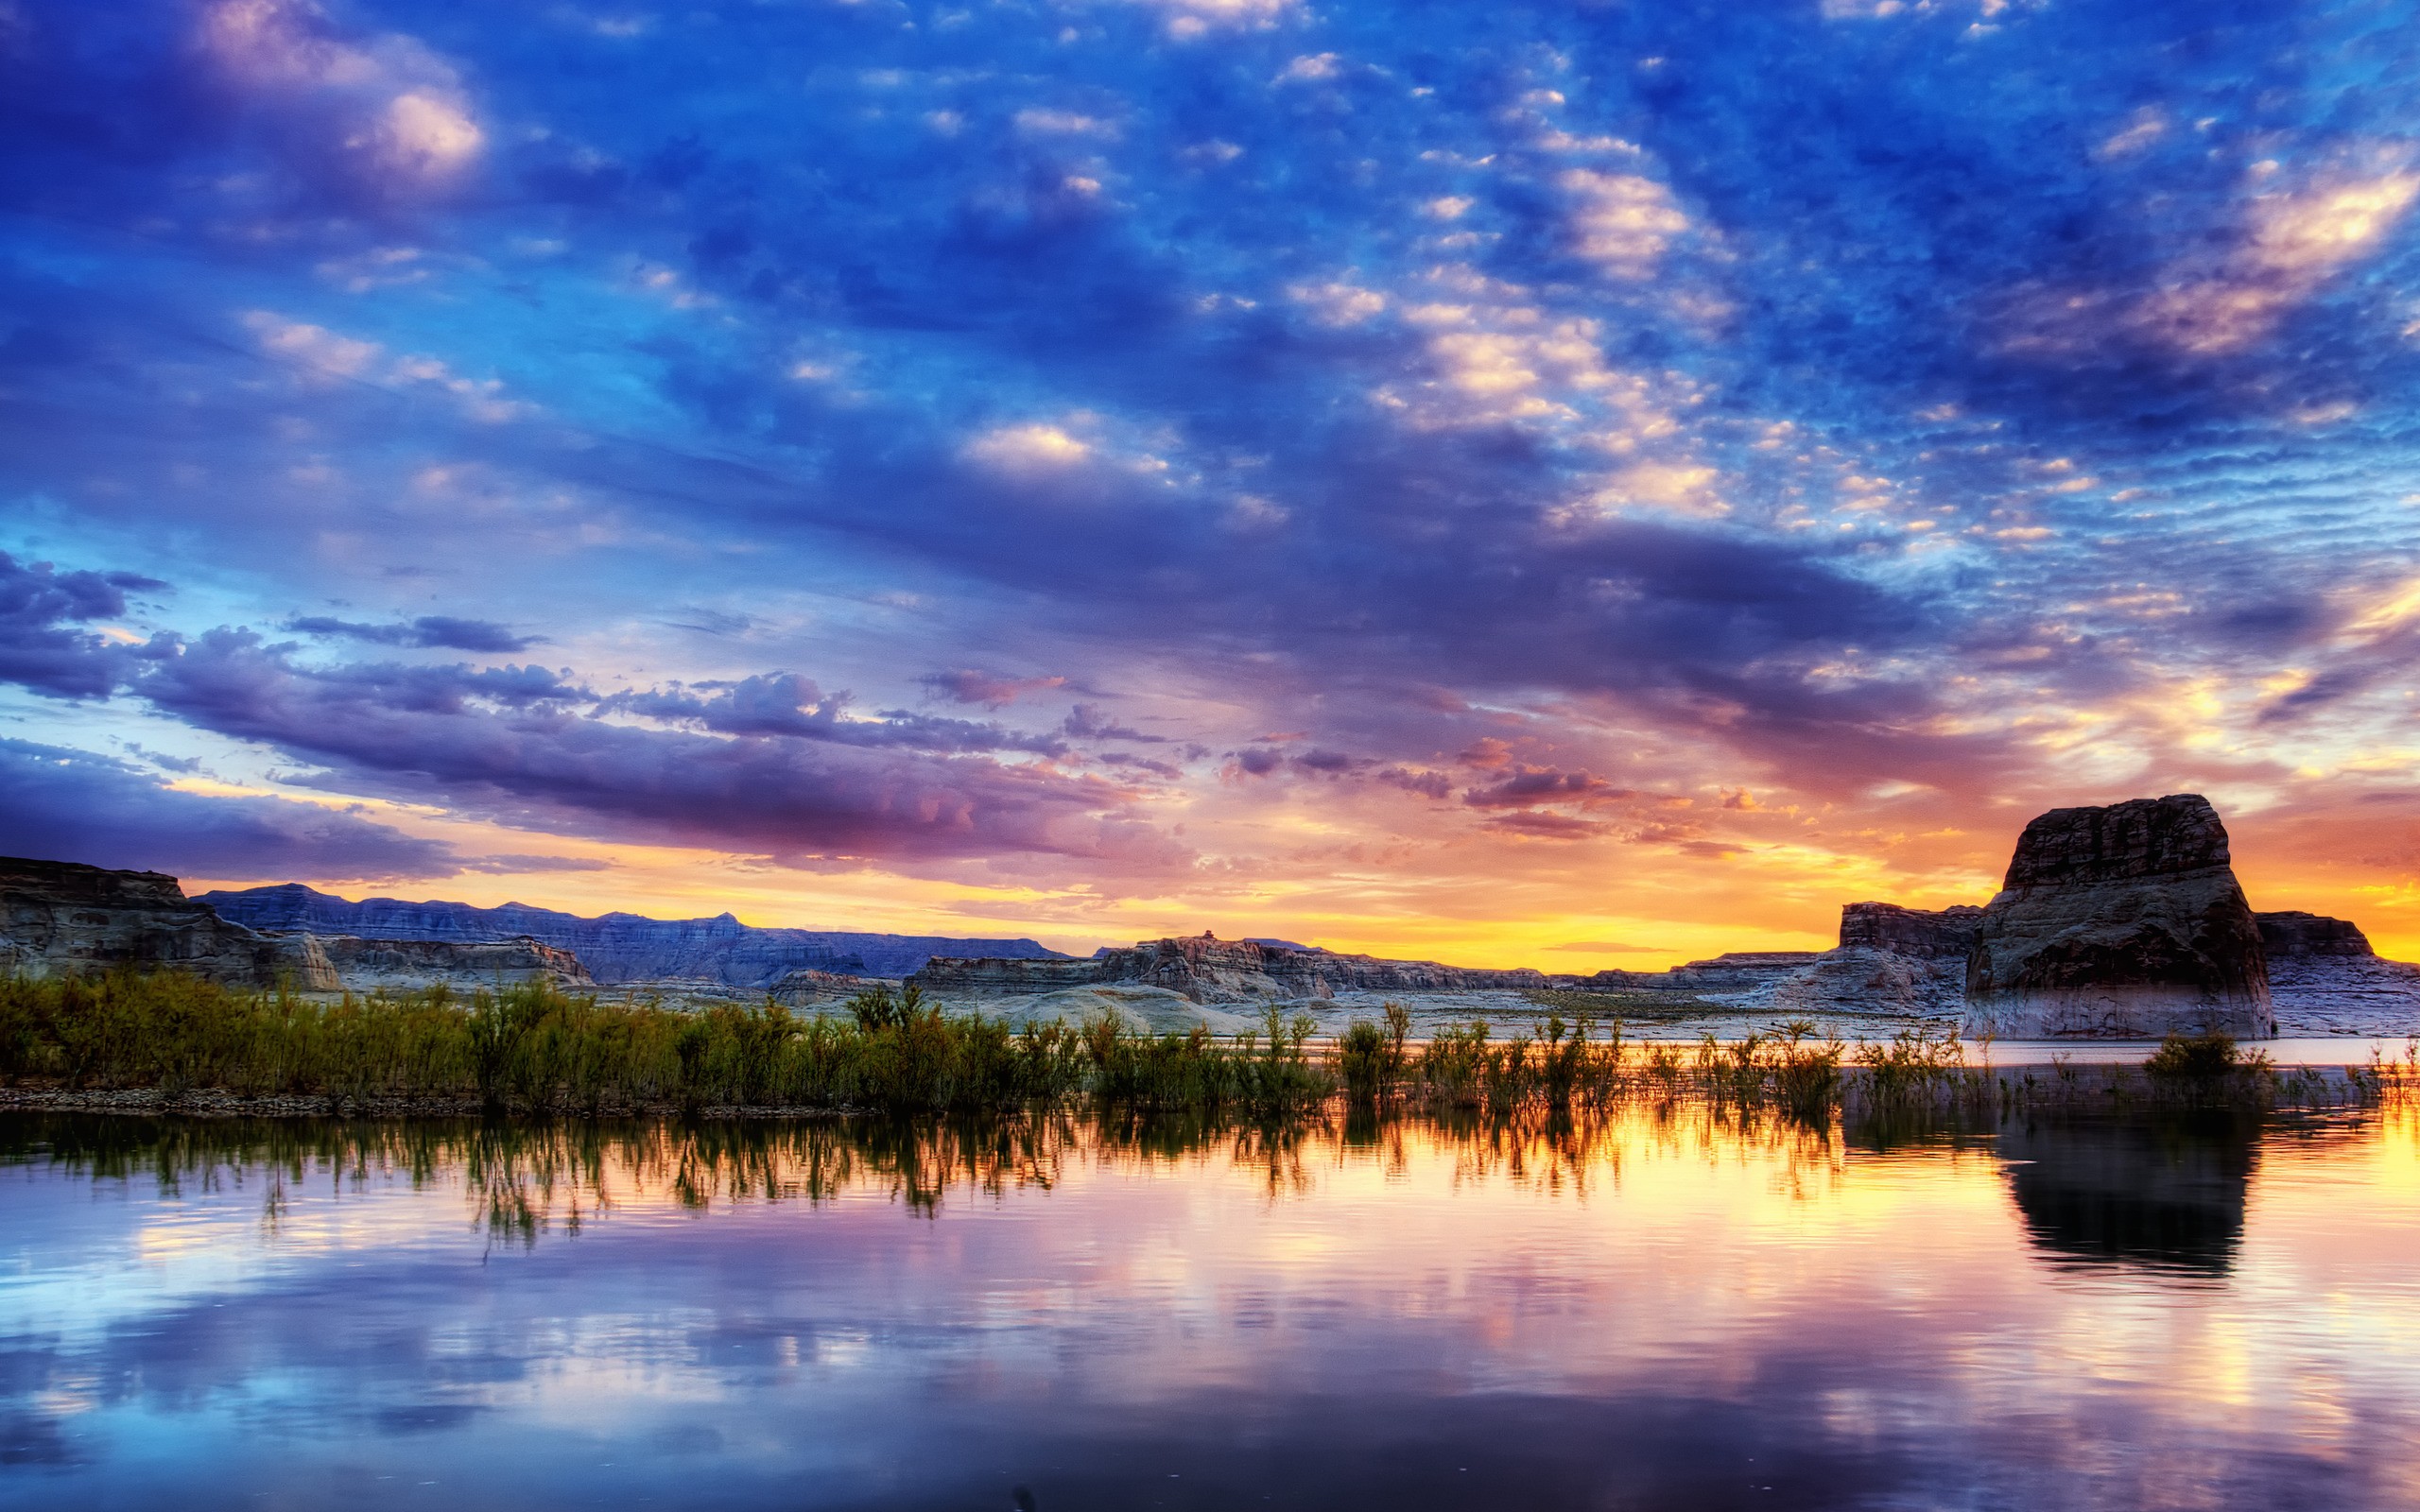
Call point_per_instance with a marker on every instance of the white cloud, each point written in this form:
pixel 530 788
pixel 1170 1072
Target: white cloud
pixel 1190 19
pixel 1028 448
pixel 1037 121
pixel 399 109
pixel 313 347
pixel 2147 125
pixel 1337 303
pixel 2218 303
pixel 379 267
pixel 1623 222
pixel 424 135
pixel 1310 68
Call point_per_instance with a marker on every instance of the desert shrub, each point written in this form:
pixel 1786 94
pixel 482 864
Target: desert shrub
pixel 2181 1056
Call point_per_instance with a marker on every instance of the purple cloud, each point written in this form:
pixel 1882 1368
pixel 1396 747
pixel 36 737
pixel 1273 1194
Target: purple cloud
pixel 69 805
pixel 989 689
pixel 433 630
pixel 509 744
pixel 42 645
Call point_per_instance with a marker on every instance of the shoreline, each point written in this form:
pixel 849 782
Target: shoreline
pixel 2010 1086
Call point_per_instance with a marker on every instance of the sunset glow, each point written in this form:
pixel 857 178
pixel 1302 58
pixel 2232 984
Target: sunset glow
pixel 1575 487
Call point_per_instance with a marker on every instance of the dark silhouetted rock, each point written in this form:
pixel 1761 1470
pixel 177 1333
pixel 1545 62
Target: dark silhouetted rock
pixel 616 948
pixel 2123 921
pixel 1919 932
pixel 60 918
pixel 2293 933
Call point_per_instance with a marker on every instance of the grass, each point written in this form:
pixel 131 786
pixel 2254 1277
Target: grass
pixel 532 1049
pixel 536 1051
pixel 525 1049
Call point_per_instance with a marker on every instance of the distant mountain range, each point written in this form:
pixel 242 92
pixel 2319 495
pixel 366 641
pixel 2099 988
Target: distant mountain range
pixel 616 948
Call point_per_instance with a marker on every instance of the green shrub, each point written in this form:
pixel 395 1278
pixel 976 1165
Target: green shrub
pixel 2199 1055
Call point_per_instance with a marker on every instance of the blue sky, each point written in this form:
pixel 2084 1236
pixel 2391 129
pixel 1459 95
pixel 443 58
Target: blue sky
pixel 1486 479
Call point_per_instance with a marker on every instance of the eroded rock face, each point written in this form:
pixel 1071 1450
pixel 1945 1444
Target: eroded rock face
pixel 1732 975
pixel 2325 979
pixel 58 918
pixel 2123 921
pixel 1919 932
pixel 2292 932
pixel 410 965
pixel 811 988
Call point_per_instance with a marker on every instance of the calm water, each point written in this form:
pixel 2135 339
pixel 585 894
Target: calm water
pixel 1651 1312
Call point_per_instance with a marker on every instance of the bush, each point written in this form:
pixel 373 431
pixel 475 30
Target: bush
pixel 2199 1055
pixel 1361 1054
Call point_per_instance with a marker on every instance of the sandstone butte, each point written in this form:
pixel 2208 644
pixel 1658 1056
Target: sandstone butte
pixel 2123 921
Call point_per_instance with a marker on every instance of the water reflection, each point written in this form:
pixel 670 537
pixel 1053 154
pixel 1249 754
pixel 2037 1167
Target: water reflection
pixel 2164 1191
pixel 1664 1306
pixel 527 1178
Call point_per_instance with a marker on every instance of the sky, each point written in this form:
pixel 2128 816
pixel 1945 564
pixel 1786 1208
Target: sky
pixel 1572 486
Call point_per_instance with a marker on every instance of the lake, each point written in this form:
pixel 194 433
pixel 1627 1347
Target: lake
pixel 1662 1307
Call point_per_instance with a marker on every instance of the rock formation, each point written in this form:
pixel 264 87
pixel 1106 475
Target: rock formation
pixel 2293 933
pixel 1931 933
pixel 2325 979
pixel 58 918
pixel 809 989
pixel 616 948
pixel 409 965
pixel 1205 968
pixel 2123 921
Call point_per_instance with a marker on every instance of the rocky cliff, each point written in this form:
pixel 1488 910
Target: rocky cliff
pixel 2291 933
pixel 409 965
pixel 2120 922
pixel 1208 970
pixel 1931 933
pixel 58 918
pixel 2324 978
pixel 616 948
pixel 810 988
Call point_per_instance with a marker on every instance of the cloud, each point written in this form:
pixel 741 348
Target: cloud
pixel 1188 19
pixel 385 113
pixel 1087 722
pixel 435 630
pixel 786 704
pixel 1986 418
pixel 989 689
pixel 781 776
pixel 1540 826
pixel 44 644
pixel 58 804
pixel 1620 221
pixel 2294 243
pixel 1025 448
pixel 1533 786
